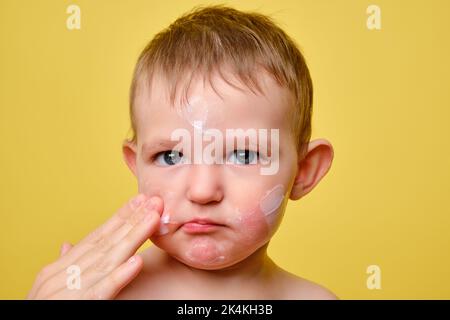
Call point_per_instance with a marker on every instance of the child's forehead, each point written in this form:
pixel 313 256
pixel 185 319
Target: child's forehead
pixel 217 103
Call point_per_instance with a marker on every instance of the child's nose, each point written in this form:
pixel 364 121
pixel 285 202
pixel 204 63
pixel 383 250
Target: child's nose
pixel 205 184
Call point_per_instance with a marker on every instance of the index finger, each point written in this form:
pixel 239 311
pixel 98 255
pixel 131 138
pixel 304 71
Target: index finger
pixel 112 224
pixel 117 219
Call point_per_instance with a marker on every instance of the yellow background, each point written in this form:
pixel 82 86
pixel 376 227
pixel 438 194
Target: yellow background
pixel 381 98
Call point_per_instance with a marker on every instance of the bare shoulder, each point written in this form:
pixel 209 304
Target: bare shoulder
pixel 298 288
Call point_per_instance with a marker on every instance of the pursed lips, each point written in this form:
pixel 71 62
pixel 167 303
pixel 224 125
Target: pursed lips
pixel 200 225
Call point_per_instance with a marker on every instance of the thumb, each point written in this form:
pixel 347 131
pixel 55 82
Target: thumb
pixel 65 247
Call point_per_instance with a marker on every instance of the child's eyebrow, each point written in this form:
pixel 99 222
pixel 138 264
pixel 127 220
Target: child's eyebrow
pixel 157 145
pixel 161 144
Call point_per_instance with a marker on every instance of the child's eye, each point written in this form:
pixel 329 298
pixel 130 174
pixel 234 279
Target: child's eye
pixel 244 157
pixel 169 158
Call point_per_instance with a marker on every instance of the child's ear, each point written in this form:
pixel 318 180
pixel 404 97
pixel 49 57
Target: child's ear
pixel 312 168
pixel 129 150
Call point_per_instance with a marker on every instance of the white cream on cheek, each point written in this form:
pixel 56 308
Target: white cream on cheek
pixel 163 228
pixel 257 223
pixel 168 199
pixel 270 205
pixel 266 210
pixel 272 200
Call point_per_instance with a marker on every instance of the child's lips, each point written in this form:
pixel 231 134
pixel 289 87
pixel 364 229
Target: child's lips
pixel 201 226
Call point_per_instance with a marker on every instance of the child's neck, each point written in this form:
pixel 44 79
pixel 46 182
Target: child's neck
pixel 256 271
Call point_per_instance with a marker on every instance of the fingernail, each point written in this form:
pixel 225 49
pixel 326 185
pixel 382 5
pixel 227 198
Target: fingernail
pixel 137 201
pixel 132 259
pixel 149 216
pixel 149 205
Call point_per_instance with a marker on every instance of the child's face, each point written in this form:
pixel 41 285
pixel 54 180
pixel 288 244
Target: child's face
pixel 247 204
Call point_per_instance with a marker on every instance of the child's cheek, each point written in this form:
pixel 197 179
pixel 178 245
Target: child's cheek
pixel 260 221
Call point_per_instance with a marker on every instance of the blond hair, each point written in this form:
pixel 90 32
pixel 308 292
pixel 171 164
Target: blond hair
pixel 210 37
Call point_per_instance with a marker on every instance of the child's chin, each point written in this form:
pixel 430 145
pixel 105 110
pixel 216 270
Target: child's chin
pixel 205 265
pixel 218 262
